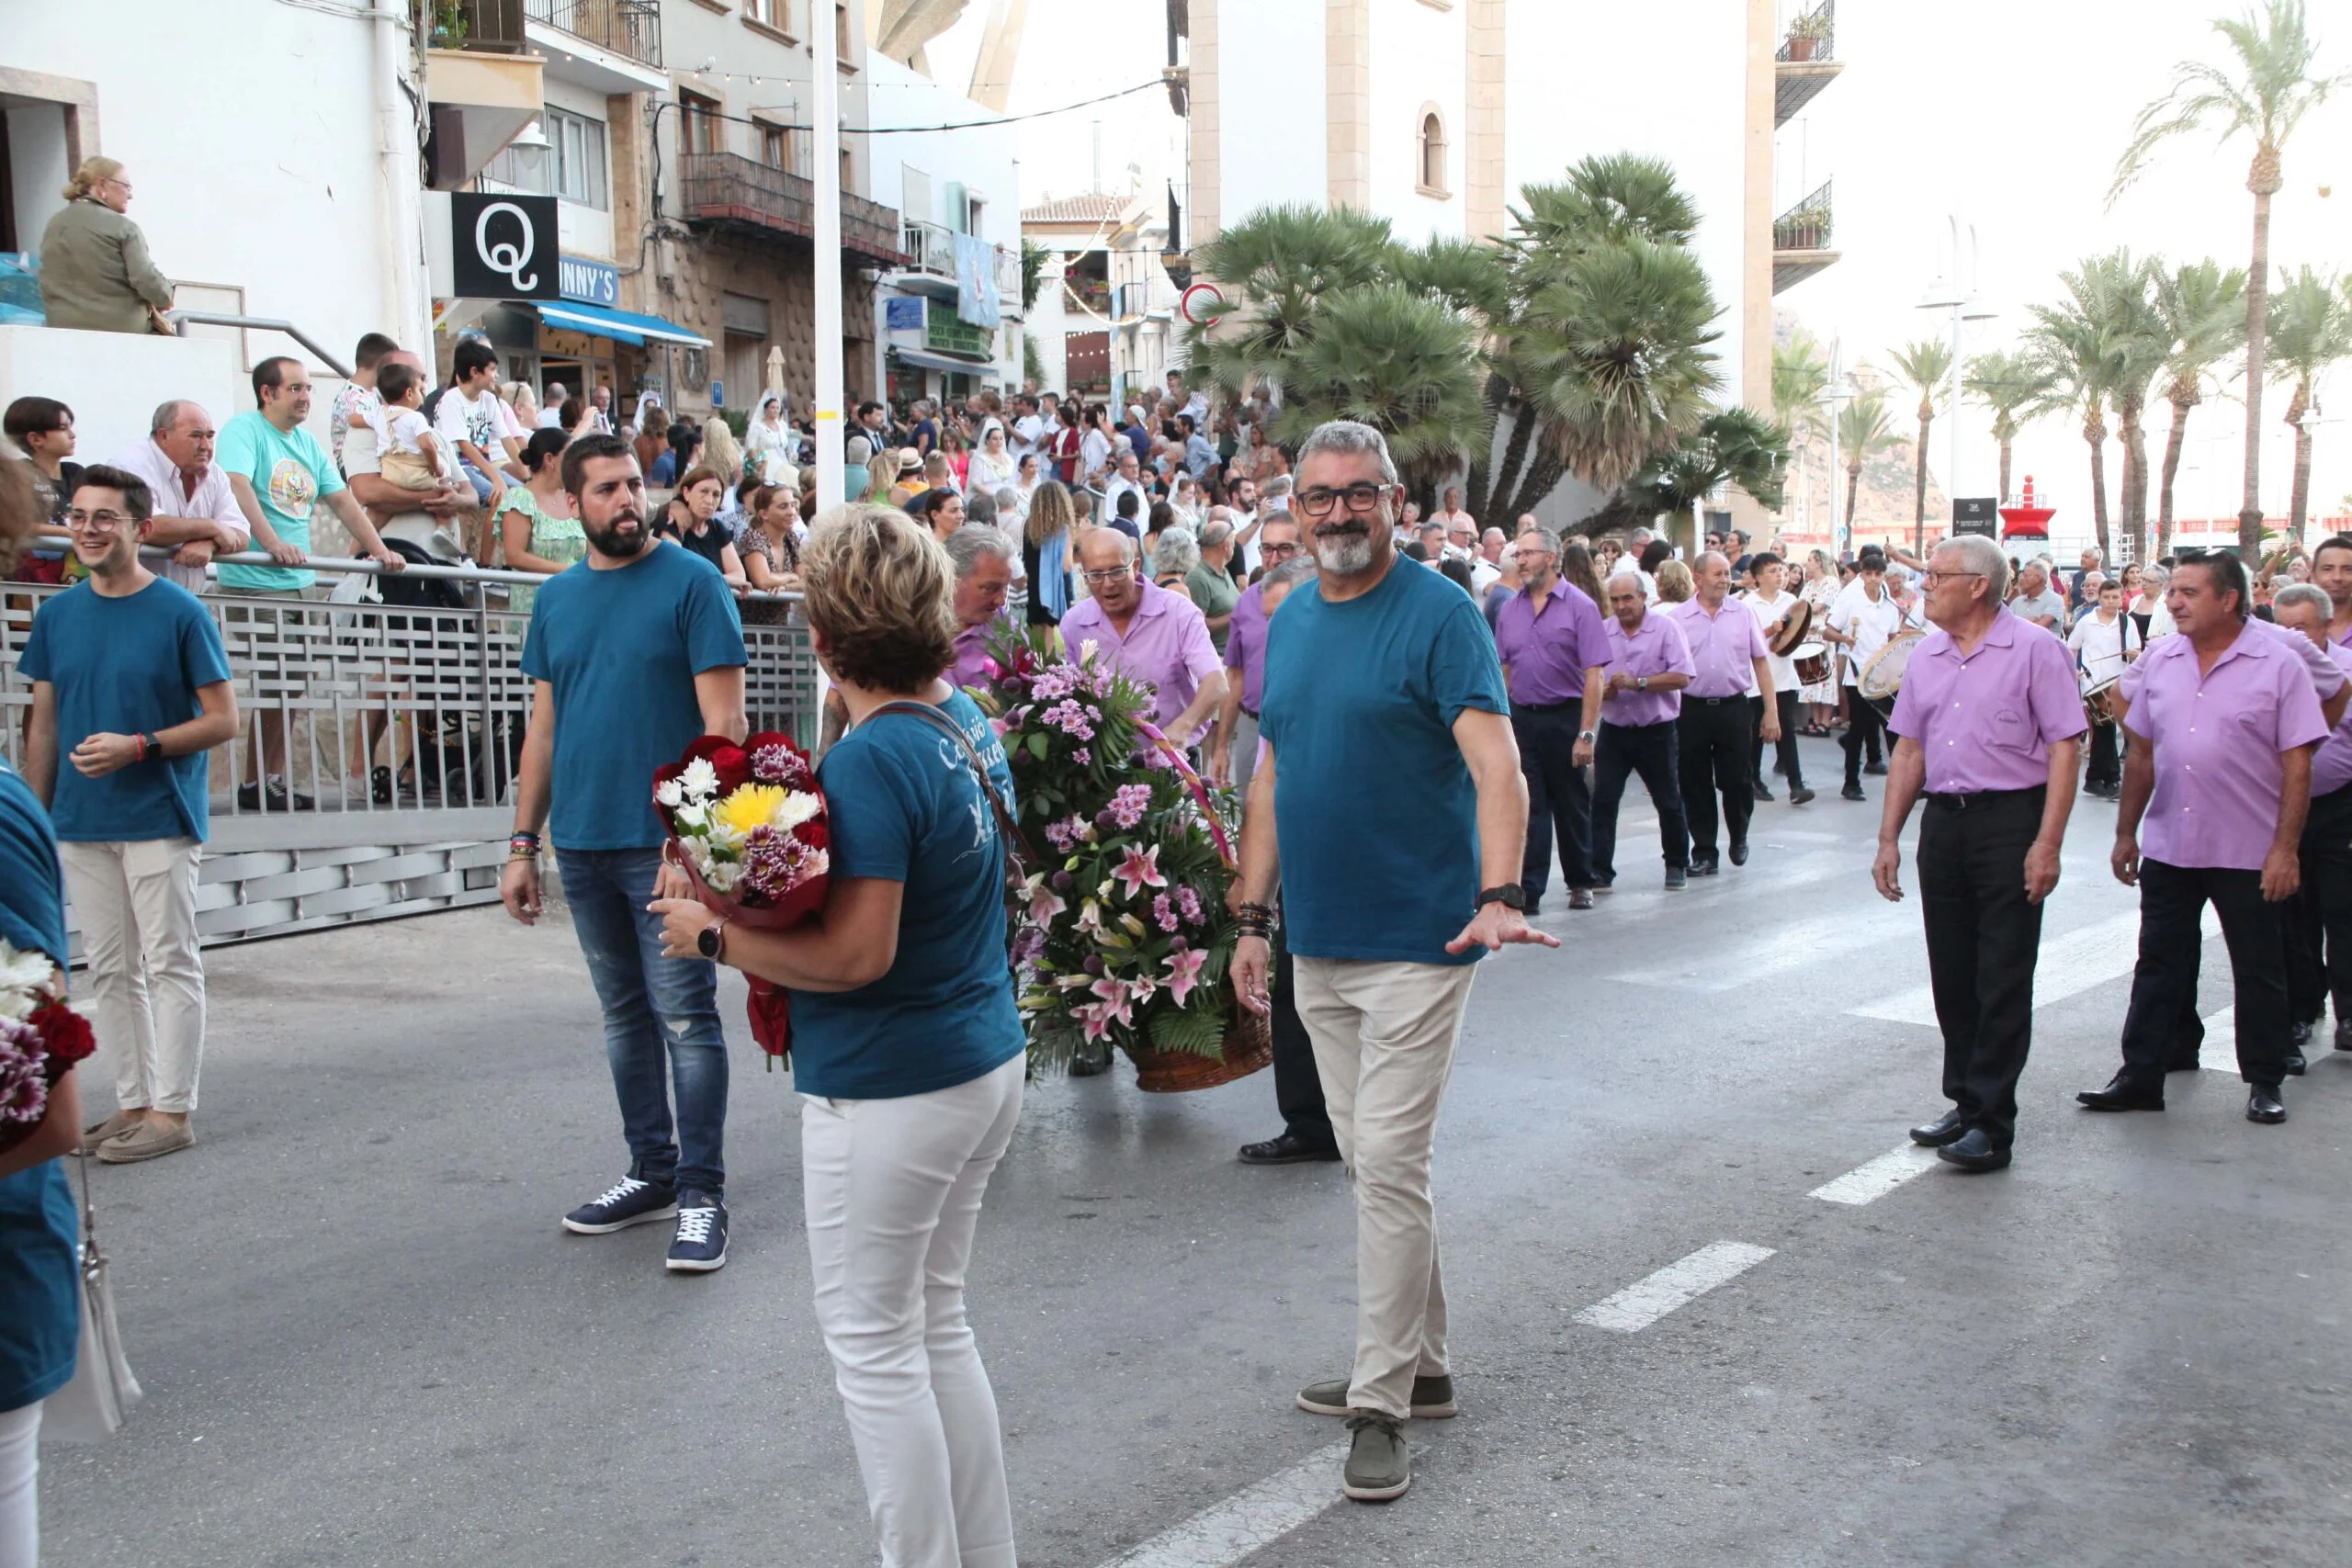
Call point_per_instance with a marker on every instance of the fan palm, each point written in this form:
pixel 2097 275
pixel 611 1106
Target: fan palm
pixel 1398 361
pixel 1864 430
pixel 1735 447
pixel 2311 328
pixel 1281 263
pixel 1925 365
pixel 2264 88
pixel 2070 337
pixel 2203 308
pixel 2017 387
pixel 2121 292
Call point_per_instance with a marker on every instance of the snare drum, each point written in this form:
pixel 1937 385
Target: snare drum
pixel 1812 664
pixel 2100 702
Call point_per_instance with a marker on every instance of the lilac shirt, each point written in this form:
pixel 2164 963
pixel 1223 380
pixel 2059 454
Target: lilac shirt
pixel 1167 645
pixel 1724 646
pixel 972 652
pixel 2332 768
pixel 2217 740
pixel 1987 721
pixel 2326 679
pixel 1245 645
pixel 1654 648
pixel 1548 650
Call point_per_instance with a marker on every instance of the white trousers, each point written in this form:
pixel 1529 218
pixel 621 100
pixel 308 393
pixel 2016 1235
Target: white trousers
pixel 20 1505
pixel 893 1190
pixel 136 903
pixel 1385 1035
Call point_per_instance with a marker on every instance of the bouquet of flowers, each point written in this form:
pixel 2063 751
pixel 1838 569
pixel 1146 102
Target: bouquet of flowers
pixel 747 825
pixel 41 1037
pixel 1128 937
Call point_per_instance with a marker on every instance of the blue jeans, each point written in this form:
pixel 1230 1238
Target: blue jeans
pixel 657 1009
pixel 480 482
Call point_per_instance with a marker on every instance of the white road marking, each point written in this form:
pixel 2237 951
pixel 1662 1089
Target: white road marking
pixel 1738 969
pixel 1643 1301
pixel 1878 1177
pixel 2087 956
pixel 1250 1518
pixel 2220 1051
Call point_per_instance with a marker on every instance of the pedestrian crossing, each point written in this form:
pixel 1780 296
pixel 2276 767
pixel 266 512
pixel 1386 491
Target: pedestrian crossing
pixel 2070 963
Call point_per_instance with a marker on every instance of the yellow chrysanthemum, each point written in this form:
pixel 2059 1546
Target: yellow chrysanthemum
pixel 749 807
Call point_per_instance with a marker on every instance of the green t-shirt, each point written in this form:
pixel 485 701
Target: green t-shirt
pixel 1215 592
pixel 290 472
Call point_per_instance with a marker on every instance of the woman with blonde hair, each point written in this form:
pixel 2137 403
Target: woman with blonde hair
pixel 95 273
pixel 1048 545
pixel 907 1050
pixel 1674 583
pixel 720 451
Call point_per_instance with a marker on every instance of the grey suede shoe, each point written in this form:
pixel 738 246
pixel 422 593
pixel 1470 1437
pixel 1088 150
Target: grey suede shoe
pixel 1432 1398
pixel 1378 1467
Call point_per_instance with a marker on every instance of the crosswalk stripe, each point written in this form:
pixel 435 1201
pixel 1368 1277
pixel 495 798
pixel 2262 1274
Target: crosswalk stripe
pixel 2084 958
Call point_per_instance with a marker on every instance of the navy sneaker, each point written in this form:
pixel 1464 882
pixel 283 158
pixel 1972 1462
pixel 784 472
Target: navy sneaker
pixel 701 1245
pixel 628 1202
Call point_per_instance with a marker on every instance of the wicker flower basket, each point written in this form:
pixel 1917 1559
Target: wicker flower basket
pixel 1248 1046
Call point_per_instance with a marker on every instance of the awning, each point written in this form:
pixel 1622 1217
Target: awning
pixel 930 361
pixel 621 326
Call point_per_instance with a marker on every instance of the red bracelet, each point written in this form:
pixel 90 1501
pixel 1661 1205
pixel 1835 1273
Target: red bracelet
pixel 139 742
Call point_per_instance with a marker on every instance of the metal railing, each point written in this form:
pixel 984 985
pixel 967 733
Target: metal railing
pixel 260 323
pixel 727 187
pixel 1805 226
pixel 632 27
pixel 1812 35
pixel 486 26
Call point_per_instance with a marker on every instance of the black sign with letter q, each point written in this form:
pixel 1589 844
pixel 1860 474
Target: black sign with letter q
pixel 503 247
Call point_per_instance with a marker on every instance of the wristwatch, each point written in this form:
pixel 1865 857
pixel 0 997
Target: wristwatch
pixel 1641 682
pixel 711 940
pixel 1510 895
pixel 1588 736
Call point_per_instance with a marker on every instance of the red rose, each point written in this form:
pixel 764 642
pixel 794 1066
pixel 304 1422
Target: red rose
pixel 64 1033
pixel 733 766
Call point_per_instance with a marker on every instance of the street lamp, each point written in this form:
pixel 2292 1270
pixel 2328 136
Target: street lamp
pixel 1951 293
pixel 530 151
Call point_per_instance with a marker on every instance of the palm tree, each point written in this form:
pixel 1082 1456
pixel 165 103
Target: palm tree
pixel 1400 361
pixel 1735 447
pixel 2310 326
pixel 2017 387
pixel 2265 91
pixel 1925 365
pixel 1800 375
pixel 1278 265
pixel 2119 292
pixel 2203 309
pixel 1864 430
pixel 2072 339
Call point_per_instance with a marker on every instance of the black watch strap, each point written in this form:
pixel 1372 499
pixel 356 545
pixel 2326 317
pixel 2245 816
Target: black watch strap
pixel 1510 895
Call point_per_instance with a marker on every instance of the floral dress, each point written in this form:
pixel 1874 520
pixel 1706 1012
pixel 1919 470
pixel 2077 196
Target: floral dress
pixel 1821 592
pixel 557 539
pixel 782 556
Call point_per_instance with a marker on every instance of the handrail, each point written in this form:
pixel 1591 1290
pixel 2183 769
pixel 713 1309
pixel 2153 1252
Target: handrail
pixel 259 323
pixel 434 573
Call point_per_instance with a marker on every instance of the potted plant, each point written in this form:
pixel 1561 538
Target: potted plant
pixel 1807 33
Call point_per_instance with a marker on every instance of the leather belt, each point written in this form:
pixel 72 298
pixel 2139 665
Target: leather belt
pixel 1983 799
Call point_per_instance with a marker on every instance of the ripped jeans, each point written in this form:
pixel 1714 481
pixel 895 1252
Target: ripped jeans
pixel 657 1010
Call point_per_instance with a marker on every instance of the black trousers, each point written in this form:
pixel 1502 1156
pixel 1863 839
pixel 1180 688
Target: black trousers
pixel 1652 752
pixel 1784 703
pixel 1717 737
pixel 2106 755
pixel 1559 800
pixel 2161 1026
pixel 2319 928
pixel 1983 940
pixel 1298 1092
pixel 1863 726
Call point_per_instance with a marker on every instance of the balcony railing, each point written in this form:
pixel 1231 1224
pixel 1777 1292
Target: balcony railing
pixel 931 250
pixel 1812 35
pixel 729 188
pixel 631 28
pixel 1805 226
pixel 481 26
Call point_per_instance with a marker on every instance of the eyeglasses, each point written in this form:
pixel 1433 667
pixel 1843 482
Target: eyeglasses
pixel 1320 500
pixel 1110 574
pixel 1931 577
pixel 1272 548
pixel 103 521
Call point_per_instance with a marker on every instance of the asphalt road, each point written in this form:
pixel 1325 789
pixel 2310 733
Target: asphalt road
pixel 365 1340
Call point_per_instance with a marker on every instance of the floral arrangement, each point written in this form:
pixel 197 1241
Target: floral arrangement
pixel 747 825
pixel 1127 936
pixel 40 1038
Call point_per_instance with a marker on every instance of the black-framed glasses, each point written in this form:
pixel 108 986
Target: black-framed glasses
pixel 1320 500
pixel 1931 577
pixel 1270 548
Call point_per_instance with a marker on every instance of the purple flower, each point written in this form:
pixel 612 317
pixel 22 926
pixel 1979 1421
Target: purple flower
pixel 1190 903
pixel 1163 913
pixel 1129 804
pixel 1081 756
pixel 1094 965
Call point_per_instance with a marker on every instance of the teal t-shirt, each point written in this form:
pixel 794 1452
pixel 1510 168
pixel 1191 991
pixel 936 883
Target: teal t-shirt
pixel 622 647
pixel 124 666
pixel 903 806
pixel 289 471
pixel 41 1303
pixel 1373 808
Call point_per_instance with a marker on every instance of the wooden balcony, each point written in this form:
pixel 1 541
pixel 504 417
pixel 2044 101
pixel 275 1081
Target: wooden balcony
pixel 730 191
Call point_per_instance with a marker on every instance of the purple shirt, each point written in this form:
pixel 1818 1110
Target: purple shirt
pixel 2326 678
pixel 2218 738
pixel 1167 646
pixel 972 652
pixel 1986 720
pixel 1654 648
pixel 1724 646
pixel 1548 650
pixel 2332 767
pixel 1245 645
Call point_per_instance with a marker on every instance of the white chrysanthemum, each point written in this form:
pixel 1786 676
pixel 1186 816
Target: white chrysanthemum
pixel 720 877
pixel 24 978
pixel 669 794
pixel 700 780
pixel 696 817
pixel 797 807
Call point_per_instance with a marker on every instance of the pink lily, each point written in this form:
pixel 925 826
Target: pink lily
pixel 1115 999
pixel 1097 1020
pixel 1184 972
pixel 1043 902
pixel 1140 870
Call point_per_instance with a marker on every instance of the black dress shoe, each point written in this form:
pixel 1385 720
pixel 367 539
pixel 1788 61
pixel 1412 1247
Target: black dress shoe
pixel 1709 867
pixel 1875 770
pixel 1973 1151
pixel 2263 1104
pixel 1854 792
pixel 1757 789
pixel 2123 1092
pixel 2303 1032
pixel 2295 1064
pixel 1739 852
pixel 1945 1129
pixel 1287 1149
pixel 1799 795
pixel 2344 1036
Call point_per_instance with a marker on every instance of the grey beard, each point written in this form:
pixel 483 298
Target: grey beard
pixel 1346 554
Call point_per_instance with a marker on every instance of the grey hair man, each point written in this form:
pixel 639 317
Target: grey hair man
pixel 2037 602
pixel 1211 583
pixel 984 561
pixel 197 515
pixel 1381 682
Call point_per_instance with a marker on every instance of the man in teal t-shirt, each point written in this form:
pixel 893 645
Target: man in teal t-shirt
pixel 130 689
pixel 1382 686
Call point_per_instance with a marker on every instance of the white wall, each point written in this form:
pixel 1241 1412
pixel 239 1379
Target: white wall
pixel 1271 135
pixel 1418 57
pixel 982 158
pixel 249 130
pixel 113 381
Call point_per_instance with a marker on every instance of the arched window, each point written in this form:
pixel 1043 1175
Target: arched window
pixel 1432 152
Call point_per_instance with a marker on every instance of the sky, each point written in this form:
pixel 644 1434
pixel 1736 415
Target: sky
pixel 2007 114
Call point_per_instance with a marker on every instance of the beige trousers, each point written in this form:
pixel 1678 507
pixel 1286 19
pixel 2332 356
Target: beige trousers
pixel 1385 1035
pixel 136 905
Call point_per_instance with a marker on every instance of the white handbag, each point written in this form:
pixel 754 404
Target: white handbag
pixel 94 1403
